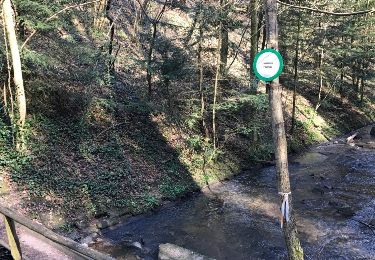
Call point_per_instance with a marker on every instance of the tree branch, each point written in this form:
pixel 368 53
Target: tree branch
pixel 327 12
pixel 55 15
pixel 158 16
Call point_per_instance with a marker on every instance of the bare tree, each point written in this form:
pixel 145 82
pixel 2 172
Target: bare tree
pixel 154 21
pixel 295 78
pixel 254 31
pixel 294 248
pixel 11 38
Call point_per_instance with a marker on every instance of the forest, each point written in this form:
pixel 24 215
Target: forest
pixel 113 109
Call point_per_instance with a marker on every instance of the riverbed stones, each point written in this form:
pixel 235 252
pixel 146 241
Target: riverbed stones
pixel 104 223
pixel 372 132
pixel 174 252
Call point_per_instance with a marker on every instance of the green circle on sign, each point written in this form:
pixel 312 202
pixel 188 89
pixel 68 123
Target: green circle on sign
pixel 262 67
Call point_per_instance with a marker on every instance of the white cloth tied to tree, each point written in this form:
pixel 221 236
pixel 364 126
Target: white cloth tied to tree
pixel 285 207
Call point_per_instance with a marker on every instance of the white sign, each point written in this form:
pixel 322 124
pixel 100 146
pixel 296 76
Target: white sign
pixel 268 64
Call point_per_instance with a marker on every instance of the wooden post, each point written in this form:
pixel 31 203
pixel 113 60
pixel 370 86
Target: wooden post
pixel 288 222
pixel 13 241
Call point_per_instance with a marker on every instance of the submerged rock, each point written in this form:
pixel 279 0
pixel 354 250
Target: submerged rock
pixel 173 252
pixel 372 132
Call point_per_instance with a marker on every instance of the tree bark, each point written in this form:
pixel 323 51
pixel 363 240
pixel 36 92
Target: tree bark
pixel 362 89
pixel 294 248
pixel 149 59
pixel 260 22
pixel 17 72
pixel 320 64
pixel 253 41
pixel 224 43
pixel 264 36
pixel 111 27
pixel 254 32
pixel 321 55
pixel 216 86
pixel 200 70
pixel 296 73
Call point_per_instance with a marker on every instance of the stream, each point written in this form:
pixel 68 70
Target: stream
pixel 333 188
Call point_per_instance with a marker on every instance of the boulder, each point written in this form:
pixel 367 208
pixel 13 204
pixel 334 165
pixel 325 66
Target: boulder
pixel 174 252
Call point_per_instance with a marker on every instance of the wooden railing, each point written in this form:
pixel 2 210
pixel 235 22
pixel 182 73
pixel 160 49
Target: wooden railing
pixel 78 250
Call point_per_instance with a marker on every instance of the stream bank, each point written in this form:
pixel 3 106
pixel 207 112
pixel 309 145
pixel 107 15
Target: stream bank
pixel 334 197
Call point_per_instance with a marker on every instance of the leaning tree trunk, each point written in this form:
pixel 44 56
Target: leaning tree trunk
pixel 288 221
pixel 9 25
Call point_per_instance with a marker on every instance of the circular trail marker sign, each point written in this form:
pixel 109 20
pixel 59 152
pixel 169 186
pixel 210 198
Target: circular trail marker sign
pixel 268 64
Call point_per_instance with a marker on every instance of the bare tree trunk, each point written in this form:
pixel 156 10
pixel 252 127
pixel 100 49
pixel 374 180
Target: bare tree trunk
pixel 216 86
pixel 154 21
pixel 144 8
pixel 224 43
pixel 200 68
pixel 320 64
pixel 254 32
pixel 362 89
pixel 17 71
pixel 294 248
pixel 296 72
pixel 149 59
pixel 253 40
pixel 341 89
pixel 111 26
pixel 321 55
pixel 9 108
pixel 264 37
pixel 260 21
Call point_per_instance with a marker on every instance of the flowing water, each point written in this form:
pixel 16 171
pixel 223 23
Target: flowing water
pixel 333 194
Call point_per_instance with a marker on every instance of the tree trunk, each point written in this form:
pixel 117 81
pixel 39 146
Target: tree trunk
pixel 149 59
pixel 254 31
pixel 289 225
pixel 296 73
pixel 224 43
pixel 362 89
pixel 254 40
pixel 321 55
pixel 341 89
pixel 320 64
pixel 264 36
pixel 17 72
pixel 200 70
pixel 216 86
pixel 111 27
pixel 144 7
pixel 260 22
